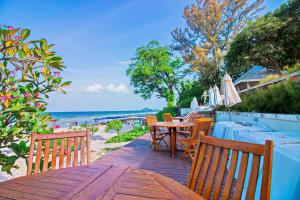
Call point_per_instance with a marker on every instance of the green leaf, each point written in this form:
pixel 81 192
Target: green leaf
pixel 67 83
pixel 25 33
pixel 43 43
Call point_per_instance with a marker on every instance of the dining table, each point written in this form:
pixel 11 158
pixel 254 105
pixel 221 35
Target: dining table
pixel 286 153
pixel 172 127
pixel 95 181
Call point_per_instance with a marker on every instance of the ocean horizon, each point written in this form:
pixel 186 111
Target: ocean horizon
pixel 64 119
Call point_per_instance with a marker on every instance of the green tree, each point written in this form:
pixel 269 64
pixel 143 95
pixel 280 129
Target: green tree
pixel 153 70
pixel 29 71
pixel 272 41
pixel 211 25
pixel 188 90
pixel 114 125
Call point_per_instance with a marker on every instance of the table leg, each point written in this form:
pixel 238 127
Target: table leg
pixel 154 138
pixel 175 139
pixel 172 142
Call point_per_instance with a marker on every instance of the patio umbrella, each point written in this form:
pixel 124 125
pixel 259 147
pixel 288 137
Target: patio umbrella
pixel 211 98
pixel 194 104
pixel 231 96
pixel 218 98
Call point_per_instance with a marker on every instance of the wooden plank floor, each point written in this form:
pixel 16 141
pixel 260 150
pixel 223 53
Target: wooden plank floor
pixel 138 154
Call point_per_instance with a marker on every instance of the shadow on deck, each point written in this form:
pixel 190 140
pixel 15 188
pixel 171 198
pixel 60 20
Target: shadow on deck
pixel 138 154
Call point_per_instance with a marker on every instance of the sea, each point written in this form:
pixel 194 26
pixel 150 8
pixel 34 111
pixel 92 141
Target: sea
pixel 65 119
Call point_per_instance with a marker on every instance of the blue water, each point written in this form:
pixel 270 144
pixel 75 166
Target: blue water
pixel 66 118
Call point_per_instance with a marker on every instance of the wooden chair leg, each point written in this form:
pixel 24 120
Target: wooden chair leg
pixel 165 142
pixel 152 142
pixel 191 155
pixel 182 156
pixel 185 153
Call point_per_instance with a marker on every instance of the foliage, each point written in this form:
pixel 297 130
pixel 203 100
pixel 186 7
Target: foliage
pixel 293 69
pixel 171 110
pixel 211 25
pixel 153 70
pixel 272 41
pixel 93 128
pixel 282 97
pixel 114 125
pixel 129 136
pixel 188 90
pixel 269 78
pixel 29 71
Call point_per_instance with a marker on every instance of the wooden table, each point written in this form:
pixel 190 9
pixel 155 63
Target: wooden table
pixel 95 182
pixel 172 126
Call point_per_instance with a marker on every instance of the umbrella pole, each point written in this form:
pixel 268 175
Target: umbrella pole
pixel 214 113
pixel 229 114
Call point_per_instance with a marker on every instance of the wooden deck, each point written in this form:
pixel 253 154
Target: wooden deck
pixel 138 154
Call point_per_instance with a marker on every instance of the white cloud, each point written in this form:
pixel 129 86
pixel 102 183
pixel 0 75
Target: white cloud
pixel 96 88
pixel 117 88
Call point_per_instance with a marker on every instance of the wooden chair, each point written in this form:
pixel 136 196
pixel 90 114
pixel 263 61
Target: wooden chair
pixel 188 131
pixel 167 117
pixel 213 177
pixel 189 144
pixel 60 144
pixel 160 135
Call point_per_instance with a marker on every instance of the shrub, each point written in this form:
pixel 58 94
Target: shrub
pixel 114 125
pixel 269 78
pixel 293 69
pixel 93 128
pixel 29 71
pixel 282 97
pixel 171 110
pixel 129 136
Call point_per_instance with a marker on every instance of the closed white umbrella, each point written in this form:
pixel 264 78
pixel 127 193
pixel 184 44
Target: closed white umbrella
pixel 218 98
pixel 194 104
pixel 211 98
pixel 231 96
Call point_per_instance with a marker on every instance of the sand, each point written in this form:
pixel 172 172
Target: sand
pixel 98 149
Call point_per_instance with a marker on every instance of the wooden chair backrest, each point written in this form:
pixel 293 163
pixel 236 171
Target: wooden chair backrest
pixel 202 126
pixel 167 117
pixel 194 117
pixel 151 119
pixel 207 175
pixel 59 144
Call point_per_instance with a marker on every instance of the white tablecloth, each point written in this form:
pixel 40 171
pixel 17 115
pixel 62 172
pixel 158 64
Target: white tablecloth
pixel 286 158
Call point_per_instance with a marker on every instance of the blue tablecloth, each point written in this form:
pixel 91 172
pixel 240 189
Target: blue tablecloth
pixel 286 158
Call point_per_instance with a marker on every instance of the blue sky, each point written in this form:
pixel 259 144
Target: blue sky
pixel 96 39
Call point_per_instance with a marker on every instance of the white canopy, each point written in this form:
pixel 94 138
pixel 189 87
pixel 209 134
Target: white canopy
pixel 211 97
pixel 231 96
pixel 194 104
pixel 218 98
pixel 215 98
